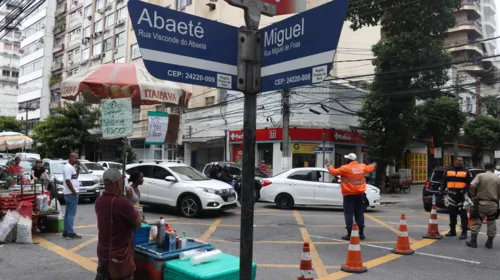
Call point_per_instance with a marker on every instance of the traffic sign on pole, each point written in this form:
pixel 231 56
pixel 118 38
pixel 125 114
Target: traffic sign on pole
pixel 184 48
pixel 299 50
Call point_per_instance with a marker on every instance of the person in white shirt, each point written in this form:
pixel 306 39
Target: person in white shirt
pixel 71 190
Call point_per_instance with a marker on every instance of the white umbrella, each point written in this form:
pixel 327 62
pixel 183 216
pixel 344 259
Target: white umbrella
pixel 14 140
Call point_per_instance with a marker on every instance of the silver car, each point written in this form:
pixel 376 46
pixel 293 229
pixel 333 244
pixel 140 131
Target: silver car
pixel 89 183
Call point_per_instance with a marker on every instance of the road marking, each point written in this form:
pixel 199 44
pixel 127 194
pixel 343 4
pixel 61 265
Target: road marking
pixel 261 211
pixel 318 263
pixel 339 242
pixel 92 258
pixel 238 225
pixel 386 226
pixel 211 230
pixel 296 266
pixel 58 233
pixel 79 260
pixel 83 245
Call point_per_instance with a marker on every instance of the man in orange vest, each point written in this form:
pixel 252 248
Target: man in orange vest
pixel 353 187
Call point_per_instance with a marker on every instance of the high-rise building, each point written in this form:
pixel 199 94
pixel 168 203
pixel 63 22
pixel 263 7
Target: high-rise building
pixel 10 43
pixel 35 64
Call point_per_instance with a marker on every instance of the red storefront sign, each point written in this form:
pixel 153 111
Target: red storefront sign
pixel 301 134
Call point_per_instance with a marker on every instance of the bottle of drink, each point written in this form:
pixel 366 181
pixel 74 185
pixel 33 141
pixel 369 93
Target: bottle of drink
pixel 160 240
pixel 172 241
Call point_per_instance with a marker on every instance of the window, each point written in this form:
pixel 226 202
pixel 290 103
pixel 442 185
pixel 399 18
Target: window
pixel 301 176
pixel 7 47
pixel 183 3
pixel 108 44
pixel 86 32
pixel 75 34
pixel 32 104
pixel 170 150
pixel 6 73
pixel 58 41
pixel 99 4
pixel 468 105
pixel 15 48
pixel 10 61
pixel 76 15
pixel 110 20
pixel 30 67
pixel 98 26
pixel 58 59
pixel 120 60
pixel 85 54
pixel 74 71
pixel 15 74
pixel 146 170
pixel 134 51
pixel 97 49
pixel 120 39
pixel 87 11
pixel 209 100
pixel 32 29
pixel 31 85
pixel 160 173
pixel 121 14
pixel 74 55
pixel 31 48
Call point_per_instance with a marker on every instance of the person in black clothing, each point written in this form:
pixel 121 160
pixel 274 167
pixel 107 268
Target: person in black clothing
pixel 37 170
pixel 457 180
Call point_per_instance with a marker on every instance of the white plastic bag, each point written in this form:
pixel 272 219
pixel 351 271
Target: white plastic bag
pixel 53 203
pixel 9 222
pixel 12 236
pixel 24 231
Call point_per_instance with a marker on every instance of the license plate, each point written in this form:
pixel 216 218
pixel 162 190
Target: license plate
pixel 82 191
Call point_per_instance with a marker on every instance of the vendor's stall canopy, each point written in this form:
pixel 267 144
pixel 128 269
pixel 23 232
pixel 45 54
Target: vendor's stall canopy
pixel 122 80
pixel 14 140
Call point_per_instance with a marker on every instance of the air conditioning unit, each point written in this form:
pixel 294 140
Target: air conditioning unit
pixel 84 41
pixel 103 55
pixel 89 17
pixel 101 11
pixel 119 22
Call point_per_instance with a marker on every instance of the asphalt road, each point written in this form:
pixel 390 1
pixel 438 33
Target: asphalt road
pixel 278 240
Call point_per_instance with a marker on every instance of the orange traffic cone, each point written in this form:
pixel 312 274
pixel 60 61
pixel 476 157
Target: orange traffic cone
pixel 403 243
pixel 469 221
pixel 353 263
pixel 432 229
pixel 485 220
pixel 306 263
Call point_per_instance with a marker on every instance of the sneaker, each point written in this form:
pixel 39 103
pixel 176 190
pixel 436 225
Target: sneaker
pixel 73 236
pixel 64 234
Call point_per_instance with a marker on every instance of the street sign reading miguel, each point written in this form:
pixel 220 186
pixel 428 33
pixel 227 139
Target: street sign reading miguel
pixel 299 50
pixel 184 48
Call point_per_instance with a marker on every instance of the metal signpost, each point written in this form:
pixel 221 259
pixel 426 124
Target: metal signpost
pixel 295 52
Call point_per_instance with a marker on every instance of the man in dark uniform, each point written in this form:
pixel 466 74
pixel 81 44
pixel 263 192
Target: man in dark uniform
pixel 457 180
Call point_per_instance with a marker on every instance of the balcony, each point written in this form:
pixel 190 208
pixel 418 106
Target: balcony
pixel 469 26
pixel 57 48
pixel 55 86
pixel 53 105
pixel 56 66
pixel 464 45
pixel 489 4
pixel 59 28
pixel 472 7
pixel 490 23
pixel 61 10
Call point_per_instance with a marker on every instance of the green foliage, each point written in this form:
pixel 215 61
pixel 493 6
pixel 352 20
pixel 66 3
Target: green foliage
pixel 440 118
pixel 131 155
pixel 483 132
pixel 66 130
pixel 11 124
pixel 54 80
pixel 492 105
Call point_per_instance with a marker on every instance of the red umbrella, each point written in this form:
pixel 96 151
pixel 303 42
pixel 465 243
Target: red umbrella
pixel 120 80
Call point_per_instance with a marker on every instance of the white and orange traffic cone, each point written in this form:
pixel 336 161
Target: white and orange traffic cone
pixel 353 263
pixel 403 243
pixel 432 229
pixel 306 269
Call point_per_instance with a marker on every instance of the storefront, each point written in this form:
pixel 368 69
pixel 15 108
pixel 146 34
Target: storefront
pixel 306 146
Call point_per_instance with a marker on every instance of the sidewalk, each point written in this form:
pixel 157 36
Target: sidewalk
pixel 399 197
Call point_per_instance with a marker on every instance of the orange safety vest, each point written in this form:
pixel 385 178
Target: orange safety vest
pixel 456 179
pixel 352 176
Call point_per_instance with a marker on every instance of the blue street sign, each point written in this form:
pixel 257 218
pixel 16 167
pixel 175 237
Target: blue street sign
pixel 184 48
pixel 319 150
pixel 299 50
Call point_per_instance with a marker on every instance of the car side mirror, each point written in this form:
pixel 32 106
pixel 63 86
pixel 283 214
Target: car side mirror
pixel 170 179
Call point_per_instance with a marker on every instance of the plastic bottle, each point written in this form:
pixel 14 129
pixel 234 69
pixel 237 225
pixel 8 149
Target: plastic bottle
pixel 187 255
pixel 172 241
pixel 160 240
pixel 178 243
pixel 206 257
pixel 183 240
pixel 153 232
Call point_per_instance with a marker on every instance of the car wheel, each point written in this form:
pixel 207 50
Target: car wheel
pixel 92 200
pixel 427 207
pixel 284 201
pixel 366 203
pixel 190 206
pixel 42 224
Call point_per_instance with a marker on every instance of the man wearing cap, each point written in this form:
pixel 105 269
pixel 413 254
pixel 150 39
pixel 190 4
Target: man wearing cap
pixel 117 226
pixel 353 187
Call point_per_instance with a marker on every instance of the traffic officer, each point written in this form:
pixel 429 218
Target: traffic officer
pixel 457 180
pixel 485 190
pixel 353 187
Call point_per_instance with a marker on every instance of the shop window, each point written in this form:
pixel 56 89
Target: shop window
pixel 303 175
pixel 418 166
pixel 303 160
pixel 265 156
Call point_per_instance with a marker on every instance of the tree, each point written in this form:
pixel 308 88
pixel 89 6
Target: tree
pixel 440 119
pixel 484 133
pixel 67 130
pixel 410 62
pixel 11 124
pixel 492 105
pixel 131 155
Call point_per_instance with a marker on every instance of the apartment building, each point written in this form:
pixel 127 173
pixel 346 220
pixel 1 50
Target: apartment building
pixel 35 64
pixel 10 49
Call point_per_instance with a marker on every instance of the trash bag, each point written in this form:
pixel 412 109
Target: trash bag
pixel 24 231
pixel 12 236
pixel 9 222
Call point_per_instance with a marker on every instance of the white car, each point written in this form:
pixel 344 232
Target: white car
pixel 183 187
pixel 308 186
pixel 95 168
pixel 109 164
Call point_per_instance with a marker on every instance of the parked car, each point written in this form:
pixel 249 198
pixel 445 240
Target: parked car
pixel 28 155
pixel 110 164
pixel 309 186
pixel 234 169
pixel 89 183
pixel 433 185
pixel 182 187
pixel 95 169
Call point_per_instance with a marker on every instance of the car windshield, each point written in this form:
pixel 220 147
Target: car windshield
pixel 26 165
pixel 187 173
pixel 115 165
pixel 93 166
pixel 3 161
pixel 437 176
pixel 58 167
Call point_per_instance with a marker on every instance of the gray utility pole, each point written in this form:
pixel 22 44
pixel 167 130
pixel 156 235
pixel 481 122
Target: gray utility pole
pixel 249 59
pixel 27 109
pixel 324 151
pixel 286 128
